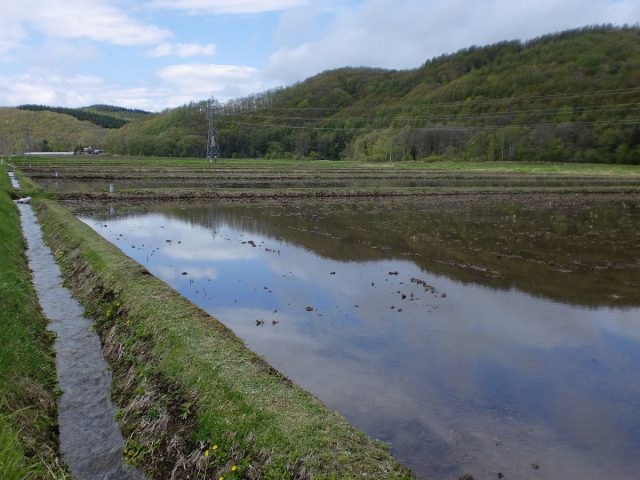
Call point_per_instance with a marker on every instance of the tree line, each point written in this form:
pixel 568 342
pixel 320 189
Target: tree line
pixel 571 96
pixel 90 114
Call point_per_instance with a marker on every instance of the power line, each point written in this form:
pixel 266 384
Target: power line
pixel 592 93
pixel 446 127
pixel 559 111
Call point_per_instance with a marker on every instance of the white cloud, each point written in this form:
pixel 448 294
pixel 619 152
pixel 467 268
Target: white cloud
pixel 44 87
pixel 96 20
pixel 166 49
pixel 179 84
pixel 310 37
pixel 404 34
pixel 93 19
pixel 200 80
pixel 11 36
pixel 54 52
pixel 229 6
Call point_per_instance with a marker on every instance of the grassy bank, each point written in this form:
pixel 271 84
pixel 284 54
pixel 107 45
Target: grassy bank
pixel 88 179
pixel 28 428
pixel 194 400
pixel 446 165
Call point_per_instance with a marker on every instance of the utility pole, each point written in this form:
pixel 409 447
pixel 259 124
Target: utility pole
pixel 213 149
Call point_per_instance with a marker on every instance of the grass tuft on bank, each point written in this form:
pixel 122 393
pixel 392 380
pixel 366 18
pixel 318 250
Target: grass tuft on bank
pixel 28 425
pixel 194 400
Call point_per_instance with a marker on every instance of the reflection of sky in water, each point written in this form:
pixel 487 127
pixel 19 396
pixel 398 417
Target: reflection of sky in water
pixel 479 380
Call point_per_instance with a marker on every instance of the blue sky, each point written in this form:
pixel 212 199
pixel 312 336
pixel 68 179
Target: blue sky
pixel 156 54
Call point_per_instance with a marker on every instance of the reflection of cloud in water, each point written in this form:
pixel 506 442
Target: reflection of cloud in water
pixel 141 226
pixel 314 269
pixel 474 328
pixel 405 409
pixel 203 252
pixel 481 378
pixel 520 319
pixel 242 322
pixel 195 273
pixel 187 241
pixel 617 322
pixel 197 243
pixel 504 317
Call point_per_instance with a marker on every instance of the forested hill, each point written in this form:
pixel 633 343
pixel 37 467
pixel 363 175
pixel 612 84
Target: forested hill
pixel 24 130
pixel 571 96
pixel 106 116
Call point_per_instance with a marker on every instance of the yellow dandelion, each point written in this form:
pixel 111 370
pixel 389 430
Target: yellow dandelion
pixel 234 468
pixel 221 478
pixel 215 447
pixel 206 453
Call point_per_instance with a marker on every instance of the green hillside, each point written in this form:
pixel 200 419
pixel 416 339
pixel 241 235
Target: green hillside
pixel 571 96
pixel 106 116
pixel 181 132
pixel 45 130
pixel 120 113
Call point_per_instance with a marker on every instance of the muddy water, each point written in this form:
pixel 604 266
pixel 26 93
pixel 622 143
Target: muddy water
pixel 483 339
pixel 90 440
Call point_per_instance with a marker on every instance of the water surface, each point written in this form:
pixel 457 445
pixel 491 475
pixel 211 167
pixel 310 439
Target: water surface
pixel 90 440
pixel 472 338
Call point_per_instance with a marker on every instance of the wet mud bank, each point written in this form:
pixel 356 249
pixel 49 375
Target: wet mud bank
pixel 195 402
pixel 90 441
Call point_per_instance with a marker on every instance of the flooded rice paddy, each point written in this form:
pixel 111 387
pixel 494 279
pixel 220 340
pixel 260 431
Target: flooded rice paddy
pixel 493 338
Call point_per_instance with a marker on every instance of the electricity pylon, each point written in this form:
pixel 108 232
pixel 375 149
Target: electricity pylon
pixel 213 149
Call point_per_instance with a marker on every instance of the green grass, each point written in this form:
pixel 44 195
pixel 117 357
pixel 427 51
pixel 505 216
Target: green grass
pixel 140 178
pixel 260 422
pixel 529 167
pixel 28 438
pixel 451 165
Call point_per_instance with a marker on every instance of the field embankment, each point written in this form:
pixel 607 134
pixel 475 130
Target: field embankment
pixel 28 425
pixel 139 179
pixel 195 402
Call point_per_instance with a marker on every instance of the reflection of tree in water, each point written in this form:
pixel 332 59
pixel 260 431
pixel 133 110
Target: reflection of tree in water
pixel 584 254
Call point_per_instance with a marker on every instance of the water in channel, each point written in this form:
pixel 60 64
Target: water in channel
pixel 499 339
pixel 90 440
